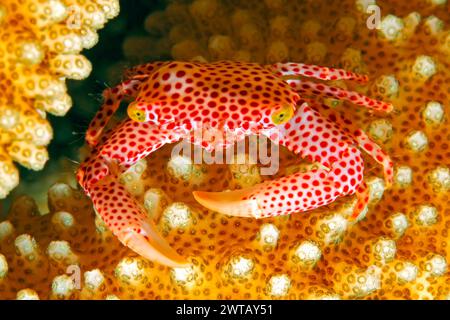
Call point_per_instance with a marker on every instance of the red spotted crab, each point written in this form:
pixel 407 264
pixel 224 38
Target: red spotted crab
pixel 174 99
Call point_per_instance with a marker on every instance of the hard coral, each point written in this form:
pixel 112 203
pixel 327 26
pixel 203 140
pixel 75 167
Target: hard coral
pixel 398 251
pixel 318 255
pixel 40 45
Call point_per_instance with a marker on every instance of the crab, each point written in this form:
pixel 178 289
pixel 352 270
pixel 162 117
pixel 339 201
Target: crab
pixel 173 100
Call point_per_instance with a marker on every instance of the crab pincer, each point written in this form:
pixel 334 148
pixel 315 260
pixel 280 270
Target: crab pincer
pixel 310 136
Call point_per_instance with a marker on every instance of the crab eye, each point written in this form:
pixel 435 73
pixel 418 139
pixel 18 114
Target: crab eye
pixel 136 114
pixel 283 115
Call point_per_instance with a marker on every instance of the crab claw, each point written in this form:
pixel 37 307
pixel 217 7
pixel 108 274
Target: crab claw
pixel 149 244
pixel 294 193
pixel 235 203
pixel 128 221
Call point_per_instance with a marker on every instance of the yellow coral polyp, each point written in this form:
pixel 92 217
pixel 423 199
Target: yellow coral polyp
pixel 40 45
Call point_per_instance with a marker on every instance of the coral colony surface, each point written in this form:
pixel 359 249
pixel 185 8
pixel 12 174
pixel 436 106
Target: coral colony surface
pixel 399 247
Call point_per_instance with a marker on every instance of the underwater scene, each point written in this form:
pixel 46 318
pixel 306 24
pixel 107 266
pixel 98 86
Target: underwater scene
pixel 224 149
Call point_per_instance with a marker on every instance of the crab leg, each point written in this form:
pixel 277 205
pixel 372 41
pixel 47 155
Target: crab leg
pixel 143 69
pixel 320 89
pixel 377 154
pixel 311 136
pixel 362 200
pixel 323 73
pixel 123 215
pixel 112 98
pixel 127 220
